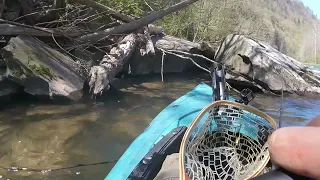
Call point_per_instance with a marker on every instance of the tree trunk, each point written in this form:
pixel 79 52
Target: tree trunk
pixel 129 27
pixel 149 44
pixel 101 76
pixel 14 30
pixel 170 43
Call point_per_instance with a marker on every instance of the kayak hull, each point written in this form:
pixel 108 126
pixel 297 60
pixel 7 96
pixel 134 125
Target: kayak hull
pixel 179 113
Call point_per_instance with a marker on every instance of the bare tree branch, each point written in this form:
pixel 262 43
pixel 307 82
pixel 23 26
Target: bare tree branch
pixel 103 8
pixel 148 5
pixel 13 29
pixel 195 55
pixel 184 57
pixel 162 62
pixel 144 21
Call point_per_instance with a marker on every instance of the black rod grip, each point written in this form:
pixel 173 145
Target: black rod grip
pixel 281 174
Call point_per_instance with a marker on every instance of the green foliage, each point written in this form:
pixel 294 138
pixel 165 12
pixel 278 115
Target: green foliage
pixel 41 70
pixel 132 7
pixel 285 24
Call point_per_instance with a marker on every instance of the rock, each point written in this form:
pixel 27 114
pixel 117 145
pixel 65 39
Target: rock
pixel 8 88
pixel 265 66
pixel 140 65
pixel 42 70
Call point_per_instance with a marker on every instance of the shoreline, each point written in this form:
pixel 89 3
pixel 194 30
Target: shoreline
pixel 312 64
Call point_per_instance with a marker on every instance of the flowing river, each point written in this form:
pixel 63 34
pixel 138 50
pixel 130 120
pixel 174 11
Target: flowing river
pixel 43 135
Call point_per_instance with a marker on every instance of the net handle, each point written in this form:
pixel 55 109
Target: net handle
pixel 182 174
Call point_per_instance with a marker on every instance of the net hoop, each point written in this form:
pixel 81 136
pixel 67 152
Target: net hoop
pixel 182 174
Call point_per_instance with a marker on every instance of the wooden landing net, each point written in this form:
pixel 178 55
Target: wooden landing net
pixel 228 141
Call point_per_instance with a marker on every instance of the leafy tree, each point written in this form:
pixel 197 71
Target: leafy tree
pixel 286 25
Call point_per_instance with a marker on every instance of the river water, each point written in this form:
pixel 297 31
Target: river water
pixel 42 135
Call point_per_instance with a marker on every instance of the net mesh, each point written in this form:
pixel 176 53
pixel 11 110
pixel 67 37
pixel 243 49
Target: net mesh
pixel 227 143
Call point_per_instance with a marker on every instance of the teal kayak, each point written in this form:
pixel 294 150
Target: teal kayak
pixel 179 113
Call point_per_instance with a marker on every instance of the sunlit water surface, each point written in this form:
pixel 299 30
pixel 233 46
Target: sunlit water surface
pixel 43 135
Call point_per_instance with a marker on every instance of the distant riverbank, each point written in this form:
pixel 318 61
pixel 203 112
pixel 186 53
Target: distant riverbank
pixel 312 64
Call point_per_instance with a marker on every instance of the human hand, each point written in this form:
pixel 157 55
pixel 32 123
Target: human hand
pixel 297 149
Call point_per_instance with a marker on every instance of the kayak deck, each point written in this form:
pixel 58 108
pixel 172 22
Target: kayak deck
pixel 179 113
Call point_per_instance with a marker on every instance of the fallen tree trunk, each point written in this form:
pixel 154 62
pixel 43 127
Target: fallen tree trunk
pixel 129 27
pixel 9 28
pixel 12 30
pixel 122 17
pixel 101 76
pixel 149 44
pixel 173 43
pixel 181 55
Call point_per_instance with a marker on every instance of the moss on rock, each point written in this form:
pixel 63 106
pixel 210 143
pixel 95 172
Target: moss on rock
pixel 41 70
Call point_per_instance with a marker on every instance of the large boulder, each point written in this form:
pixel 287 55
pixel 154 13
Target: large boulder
pixel 7 88
pixel 262 66
pixel 42 70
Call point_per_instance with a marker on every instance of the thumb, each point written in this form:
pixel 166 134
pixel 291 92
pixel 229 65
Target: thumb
pixel 297 149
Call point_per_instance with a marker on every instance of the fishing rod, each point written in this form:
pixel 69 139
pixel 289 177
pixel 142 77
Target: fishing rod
pixel 16 169
pixel 220 92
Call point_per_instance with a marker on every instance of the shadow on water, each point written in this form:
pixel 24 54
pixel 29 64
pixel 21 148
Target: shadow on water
pixel 44 135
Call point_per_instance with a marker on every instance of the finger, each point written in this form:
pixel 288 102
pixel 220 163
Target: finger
pixel 297 149
pixel 315 122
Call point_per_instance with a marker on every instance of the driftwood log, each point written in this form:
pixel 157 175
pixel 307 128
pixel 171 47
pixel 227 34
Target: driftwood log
pixel 137 34
pixel 188 53
pixel 101 76
pixel 149 44
pixel 21 29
